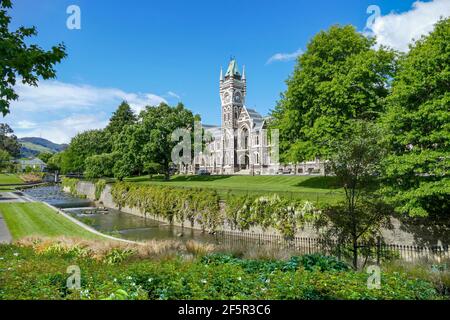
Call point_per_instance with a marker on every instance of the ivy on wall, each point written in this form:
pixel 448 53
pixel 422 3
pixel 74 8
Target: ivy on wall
pixel 203 207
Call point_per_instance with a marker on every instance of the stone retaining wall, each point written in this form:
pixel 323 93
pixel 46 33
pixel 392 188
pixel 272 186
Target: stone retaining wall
pixel 399 235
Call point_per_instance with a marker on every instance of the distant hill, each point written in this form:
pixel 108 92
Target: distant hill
pixel 32 146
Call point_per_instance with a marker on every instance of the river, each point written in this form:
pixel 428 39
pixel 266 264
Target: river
pixel 115 222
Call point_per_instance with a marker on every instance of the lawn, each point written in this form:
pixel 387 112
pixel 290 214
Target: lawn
pixel 9 178
pixel 320 189
pixel 36 219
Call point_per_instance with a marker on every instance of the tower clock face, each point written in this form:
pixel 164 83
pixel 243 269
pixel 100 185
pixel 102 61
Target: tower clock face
pixel 237 97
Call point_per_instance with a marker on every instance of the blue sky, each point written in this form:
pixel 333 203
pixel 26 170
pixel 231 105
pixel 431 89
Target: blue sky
pixel 150 51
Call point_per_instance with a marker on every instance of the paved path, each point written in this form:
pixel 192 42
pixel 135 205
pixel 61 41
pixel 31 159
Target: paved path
pixel 9 197
pixel 13 196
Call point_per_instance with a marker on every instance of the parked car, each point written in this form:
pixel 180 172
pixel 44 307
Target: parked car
pixel 203 172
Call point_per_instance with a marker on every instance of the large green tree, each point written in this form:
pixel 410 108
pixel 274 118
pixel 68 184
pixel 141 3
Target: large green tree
pixel 418 122
pixel 340 77
pixel 128 146
pixel 20 59
pixel 158 124
pixel 121 118
pixel 82 146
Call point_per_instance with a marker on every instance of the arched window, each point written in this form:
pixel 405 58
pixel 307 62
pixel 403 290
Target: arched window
pixel 256 158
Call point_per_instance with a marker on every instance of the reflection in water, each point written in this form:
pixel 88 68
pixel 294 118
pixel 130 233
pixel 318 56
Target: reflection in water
pixel 133 227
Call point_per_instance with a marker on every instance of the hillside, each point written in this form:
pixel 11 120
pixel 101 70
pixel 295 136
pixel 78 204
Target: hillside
pixel 32 146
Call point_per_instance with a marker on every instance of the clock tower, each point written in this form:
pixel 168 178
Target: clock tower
pixel 233 89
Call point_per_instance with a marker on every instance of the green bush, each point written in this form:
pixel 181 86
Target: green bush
pixel 43 276
pixel 70 183
pixel 172 204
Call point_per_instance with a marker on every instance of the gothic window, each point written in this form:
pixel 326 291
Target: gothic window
pixel 256 158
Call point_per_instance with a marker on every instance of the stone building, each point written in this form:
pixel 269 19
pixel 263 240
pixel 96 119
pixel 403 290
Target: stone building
pixel 242 144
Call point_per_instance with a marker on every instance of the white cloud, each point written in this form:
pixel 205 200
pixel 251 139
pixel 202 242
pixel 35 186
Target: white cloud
pixel 62 130
pixel 57 111
pixel 25 124
pixel 55 95
pixel 173 95
pixel 284 56
pixel 397 30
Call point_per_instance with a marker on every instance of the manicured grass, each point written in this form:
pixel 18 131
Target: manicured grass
pixel 9 178
pixel 320 189
pixel 36 219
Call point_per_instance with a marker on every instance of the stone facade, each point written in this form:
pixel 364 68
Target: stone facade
pixel 241 145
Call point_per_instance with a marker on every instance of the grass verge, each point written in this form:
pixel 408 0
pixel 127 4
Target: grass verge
pixel 36 219
pixel 318 189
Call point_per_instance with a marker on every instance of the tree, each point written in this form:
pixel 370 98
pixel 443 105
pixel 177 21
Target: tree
pixel 82 146
pixel 418 125
pixel 5 158
pixel 340 77
pixel 152 168
pixel 101 165
pixel 356 163
pixel 8 141
pixel 19 59
pixel 55 162
pixel 45 156
pixel 128 146
pixel 122 117
pixel 158 125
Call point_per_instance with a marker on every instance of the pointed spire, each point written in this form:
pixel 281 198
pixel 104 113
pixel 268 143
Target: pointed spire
pixel 232 69
pixel 221 74
pixel 243 72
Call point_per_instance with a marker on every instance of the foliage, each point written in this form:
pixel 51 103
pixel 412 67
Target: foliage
pixel 42 276
pixel 101 165
pixel 82 146
pixel 418 122
pixel 8 141
pixel 20 59
pixel 340 77
pixel 70 183
pixel 45 156
pixel 201 206
pixel 285 216
pixel 356 164
pixel 54 163
pixel 121 118
pixel 4 159
pixel 309 262
pixel 99 187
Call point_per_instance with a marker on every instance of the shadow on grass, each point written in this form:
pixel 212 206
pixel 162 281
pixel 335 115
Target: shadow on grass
pixel 319 183
pixel 199 178
pixel 190 178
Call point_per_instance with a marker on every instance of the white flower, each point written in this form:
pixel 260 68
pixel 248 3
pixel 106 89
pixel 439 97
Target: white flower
pixel 16 254
pixel 150 279
pixel 203 281
pixel 239 278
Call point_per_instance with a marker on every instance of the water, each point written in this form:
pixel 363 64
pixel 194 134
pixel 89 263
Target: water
pixel 115 222
pixel 56 197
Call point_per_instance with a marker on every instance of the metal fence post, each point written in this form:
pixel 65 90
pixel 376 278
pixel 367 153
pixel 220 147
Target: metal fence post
pixel 378 250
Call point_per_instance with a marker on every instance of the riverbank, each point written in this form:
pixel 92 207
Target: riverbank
pixel 403 232
pixel 37 271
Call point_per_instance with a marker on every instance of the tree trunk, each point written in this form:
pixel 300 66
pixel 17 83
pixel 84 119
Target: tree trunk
pixel 355 253
pixel 167 175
